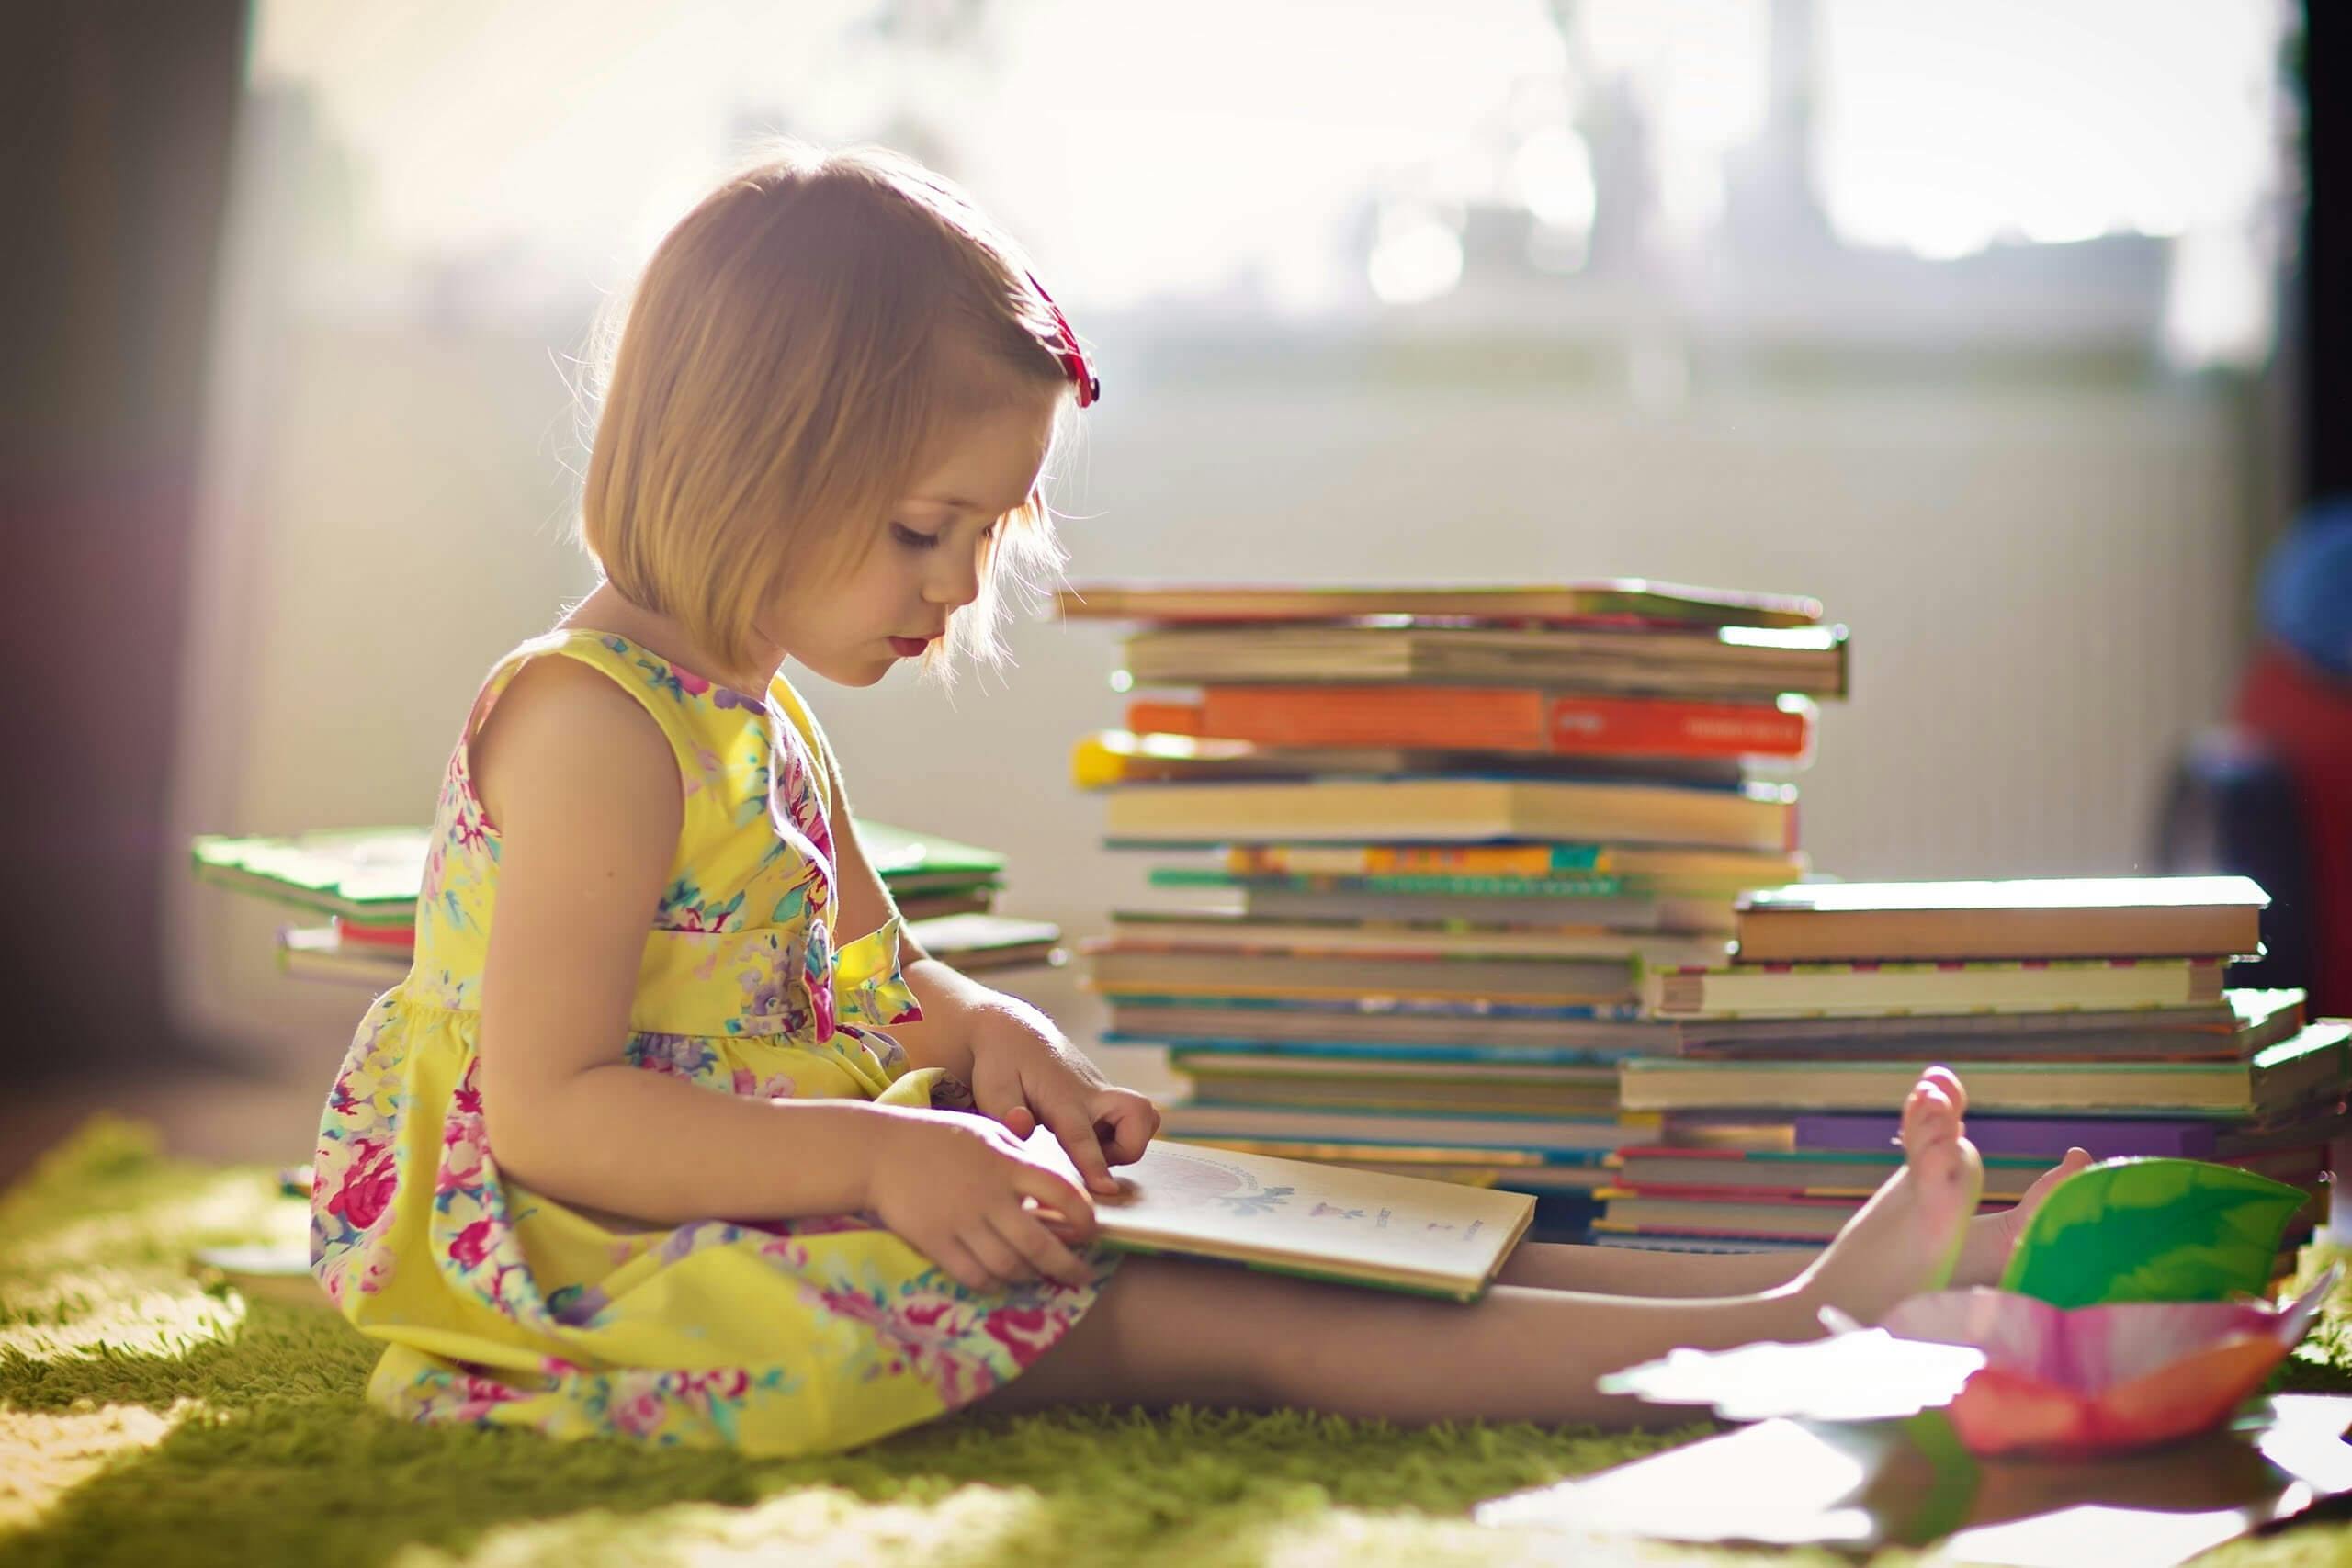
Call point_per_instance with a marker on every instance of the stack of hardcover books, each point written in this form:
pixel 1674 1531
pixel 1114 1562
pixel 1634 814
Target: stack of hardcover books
pixel 361 886
pixel 2079 1013
pixel 1421 845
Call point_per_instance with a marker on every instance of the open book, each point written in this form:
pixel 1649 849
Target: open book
pixel 1288 1216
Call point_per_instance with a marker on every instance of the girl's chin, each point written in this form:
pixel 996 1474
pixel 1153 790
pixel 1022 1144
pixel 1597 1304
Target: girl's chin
pixel 847 670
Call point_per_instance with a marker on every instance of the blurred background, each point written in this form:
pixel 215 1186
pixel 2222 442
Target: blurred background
pixel 2007 328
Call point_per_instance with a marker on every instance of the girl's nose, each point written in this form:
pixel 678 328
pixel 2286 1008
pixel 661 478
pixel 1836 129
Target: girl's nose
pixel 955 586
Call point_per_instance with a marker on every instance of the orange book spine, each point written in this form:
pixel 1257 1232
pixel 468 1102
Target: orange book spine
pixel 1402 859
pixel 1146 717
pixel 1665 726
pixel 1440 717
pixel 1483 719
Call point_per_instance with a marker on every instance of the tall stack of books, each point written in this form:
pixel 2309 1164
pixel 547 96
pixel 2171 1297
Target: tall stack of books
pixel 1431 841
pixel 2089 1013
pixel 361 888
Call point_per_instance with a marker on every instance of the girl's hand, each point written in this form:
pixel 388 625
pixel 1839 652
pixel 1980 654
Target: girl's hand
pixel 1025 1080
pixel 956 1188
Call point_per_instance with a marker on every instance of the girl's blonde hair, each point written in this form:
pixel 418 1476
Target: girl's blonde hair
pixel 781 376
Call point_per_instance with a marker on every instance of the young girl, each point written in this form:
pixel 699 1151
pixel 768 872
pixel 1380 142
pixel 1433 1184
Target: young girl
pixel 673 1131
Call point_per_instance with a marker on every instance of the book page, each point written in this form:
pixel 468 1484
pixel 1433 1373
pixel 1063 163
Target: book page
pixel 1215 1202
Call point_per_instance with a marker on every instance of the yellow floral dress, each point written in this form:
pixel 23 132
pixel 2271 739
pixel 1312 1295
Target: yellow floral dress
pixel 499 1305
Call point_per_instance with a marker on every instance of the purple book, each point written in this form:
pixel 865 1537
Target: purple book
pixel 2049 1137
pixel 2039 1137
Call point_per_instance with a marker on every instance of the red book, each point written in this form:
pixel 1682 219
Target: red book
pixel 398 938
pixel 1476 718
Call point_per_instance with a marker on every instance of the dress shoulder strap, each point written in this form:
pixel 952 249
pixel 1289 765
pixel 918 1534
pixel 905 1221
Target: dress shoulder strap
pixel 602 651
pixel 812 735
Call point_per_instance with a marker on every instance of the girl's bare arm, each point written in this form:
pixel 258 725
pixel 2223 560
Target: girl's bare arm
pixel 585 793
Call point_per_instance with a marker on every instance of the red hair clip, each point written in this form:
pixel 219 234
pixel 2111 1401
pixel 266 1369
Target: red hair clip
pixel 1073 358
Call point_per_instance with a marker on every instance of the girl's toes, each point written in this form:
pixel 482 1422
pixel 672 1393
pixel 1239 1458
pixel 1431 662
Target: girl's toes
pixel 2076 1159
pixel 1949 1081
pixel 1929 1116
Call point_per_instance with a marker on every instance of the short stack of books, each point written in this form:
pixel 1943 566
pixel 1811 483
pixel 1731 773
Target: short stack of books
pixel 1425 843
pixel 364 885
pixel 2088 1013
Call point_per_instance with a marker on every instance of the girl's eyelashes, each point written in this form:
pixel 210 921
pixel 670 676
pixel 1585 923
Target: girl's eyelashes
pixel 915 539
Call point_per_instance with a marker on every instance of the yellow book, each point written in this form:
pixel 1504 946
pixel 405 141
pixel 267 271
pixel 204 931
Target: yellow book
pixel 1759 817
pixel 1742 869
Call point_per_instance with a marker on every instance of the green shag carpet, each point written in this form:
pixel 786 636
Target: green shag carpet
pixel 144 1420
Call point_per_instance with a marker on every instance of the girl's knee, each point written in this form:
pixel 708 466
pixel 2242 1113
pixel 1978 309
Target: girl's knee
pixel 1196 1332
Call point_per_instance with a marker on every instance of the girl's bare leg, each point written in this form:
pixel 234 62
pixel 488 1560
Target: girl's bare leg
pixel 1169 1331
pixel 1631 1272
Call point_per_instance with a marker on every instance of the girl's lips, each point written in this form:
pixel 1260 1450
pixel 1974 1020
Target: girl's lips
pixel 909 646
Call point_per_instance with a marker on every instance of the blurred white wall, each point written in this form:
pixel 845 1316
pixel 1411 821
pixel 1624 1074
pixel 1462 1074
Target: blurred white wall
pixel 2042 576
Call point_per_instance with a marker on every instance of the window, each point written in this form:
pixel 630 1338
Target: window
pixel 1795 170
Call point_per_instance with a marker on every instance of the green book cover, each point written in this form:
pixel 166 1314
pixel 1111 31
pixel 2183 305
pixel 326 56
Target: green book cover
pixel 2315 1064
pixel 373 876
pixel 901 852
pixel 2321 1050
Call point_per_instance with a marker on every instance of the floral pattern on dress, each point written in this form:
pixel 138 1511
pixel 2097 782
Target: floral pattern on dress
pixel 500 1306
pixel 686 908
pixel 690 1057
pixel 354 1173
pixel 471 1232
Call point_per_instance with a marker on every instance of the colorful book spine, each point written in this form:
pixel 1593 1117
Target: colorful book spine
pixel 2045 1137
pixel 1476 718
pixel 1785 990
pixel 1480 861
pixel 1376 1052
pixel 2120 1136
pixel 1359 1005
pixel 1569 886
pixel 1639 600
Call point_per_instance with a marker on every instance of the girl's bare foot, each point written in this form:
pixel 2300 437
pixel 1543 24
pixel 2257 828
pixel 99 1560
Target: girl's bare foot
pixel 1985 1256
pixel 1991 1237
pixel 1908 1237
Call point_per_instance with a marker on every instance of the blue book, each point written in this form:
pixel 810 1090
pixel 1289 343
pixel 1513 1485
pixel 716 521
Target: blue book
pixel 1595 1137
pixel 1373 1051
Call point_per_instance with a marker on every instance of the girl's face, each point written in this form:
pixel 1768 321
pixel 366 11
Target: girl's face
pixel 927 565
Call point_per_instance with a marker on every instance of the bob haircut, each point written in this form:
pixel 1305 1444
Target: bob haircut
pixel 780 377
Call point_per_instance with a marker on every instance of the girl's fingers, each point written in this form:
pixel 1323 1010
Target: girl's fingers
pixel 998 1256
pixel 998 1096
pixel 953 1256
pixel 1075 1209
pixel 1075 1128
pixel 1027 1234
pixel 1134 1123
